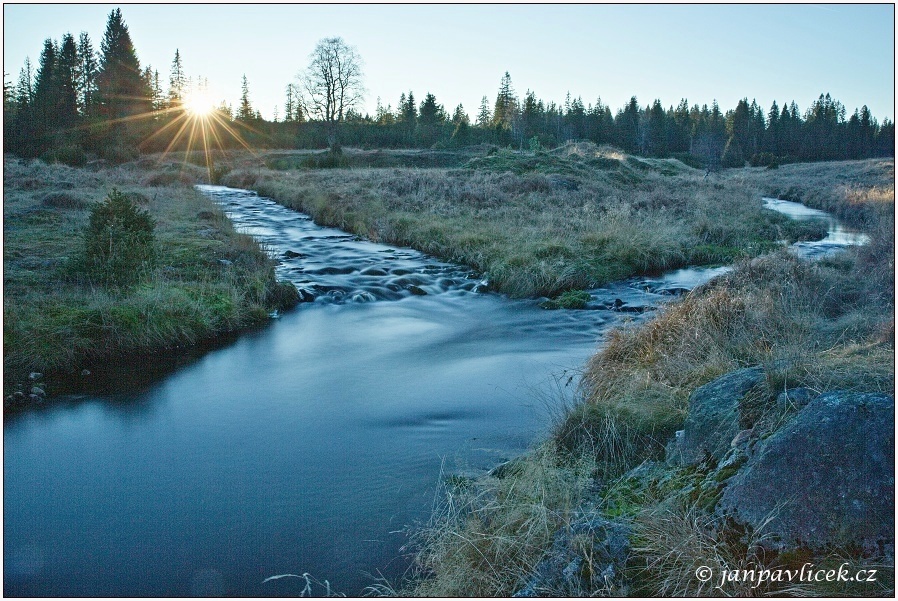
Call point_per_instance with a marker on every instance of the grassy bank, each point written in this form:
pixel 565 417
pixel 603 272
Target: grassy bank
pixel 826 325
pixel 540 223
pixel 207 278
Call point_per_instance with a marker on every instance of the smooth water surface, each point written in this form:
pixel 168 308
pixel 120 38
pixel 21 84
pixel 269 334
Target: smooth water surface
pixel 305 447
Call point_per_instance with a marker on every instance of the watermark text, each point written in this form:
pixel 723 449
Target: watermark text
pixel 807 573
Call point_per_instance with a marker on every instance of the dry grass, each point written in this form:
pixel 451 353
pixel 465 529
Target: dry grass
pixel 486 535
pixel 823 325
pixel 672 543
pixel 861 193
pixel 539 224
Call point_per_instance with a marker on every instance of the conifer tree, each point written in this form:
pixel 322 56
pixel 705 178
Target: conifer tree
pixel 506 104
pixel 627 124
pixel 770 141
pixel 24 95
pixel 408 111
pixel 122 92
pixel 290 105
pixel 87 74
pixel 245 111
pixel 655 141
pixel 431 116
pixel 384 114
pixel 484 115
pixel 430 112
pixel 46 97
pixel 67 83
pixel 459 115
pixel 22 130
pixel 9 95
pixel 408 116
pixel 177 81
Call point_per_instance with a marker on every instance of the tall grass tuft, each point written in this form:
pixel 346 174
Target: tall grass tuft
pixel 485 536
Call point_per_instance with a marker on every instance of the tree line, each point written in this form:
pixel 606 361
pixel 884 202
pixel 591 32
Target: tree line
pixel 80 101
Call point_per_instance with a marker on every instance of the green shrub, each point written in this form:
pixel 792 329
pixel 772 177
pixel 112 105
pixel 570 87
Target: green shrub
pixel 118 242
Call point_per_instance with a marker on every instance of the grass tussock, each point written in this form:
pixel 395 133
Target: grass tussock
pixel 539 224
pixel 486 535
pixel 207 279
pixel 672 543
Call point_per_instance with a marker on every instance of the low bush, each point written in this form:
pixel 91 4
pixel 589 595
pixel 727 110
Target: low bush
pixel 118 242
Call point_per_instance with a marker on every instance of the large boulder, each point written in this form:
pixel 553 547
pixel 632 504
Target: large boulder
pixel 715 417
pixel 826 478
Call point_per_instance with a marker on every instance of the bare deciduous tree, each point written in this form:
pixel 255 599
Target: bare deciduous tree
pixel 332 83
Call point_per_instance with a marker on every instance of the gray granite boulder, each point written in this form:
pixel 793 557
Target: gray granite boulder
pixel 826 478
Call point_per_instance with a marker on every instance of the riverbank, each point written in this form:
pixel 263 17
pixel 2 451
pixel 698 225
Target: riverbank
pixel 208 279
pixel 536 224
pixel 631 496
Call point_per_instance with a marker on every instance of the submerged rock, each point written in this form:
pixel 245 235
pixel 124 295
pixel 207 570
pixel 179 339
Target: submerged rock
pixel 825 479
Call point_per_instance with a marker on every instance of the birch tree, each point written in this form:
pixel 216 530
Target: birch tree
pixel 332 83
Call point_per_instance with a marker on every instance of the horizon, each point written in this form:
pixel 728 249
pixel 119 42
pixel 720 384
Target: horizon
pixel 590 51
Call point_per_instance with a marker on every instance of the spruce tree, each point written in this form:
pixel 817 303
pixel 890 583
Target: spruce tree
pixel 87 74
pixel 245 111
pixel 122 91
pixel 656 129
pixel 22 137
pixel 67 83
pixel 771 139
pixel 431 116
pixel 290 105
pixel 484 115
pixel 46 97
pixel 506 104
pixel 177 82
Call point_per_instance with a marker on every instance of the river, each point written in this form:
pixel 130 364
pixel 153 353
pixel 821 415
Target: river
pixel 307 446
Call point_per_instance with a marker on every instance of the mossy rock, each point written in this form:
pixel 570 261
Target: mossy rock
pixel 572 299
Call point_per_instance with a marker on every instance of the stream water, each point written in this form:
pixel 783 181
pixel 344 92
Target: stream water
pixel 303 447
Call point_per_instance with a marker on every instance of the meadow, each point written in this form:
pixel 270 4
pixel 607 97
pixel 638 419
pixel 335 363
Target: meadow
pixel 207 279
pixel 536 224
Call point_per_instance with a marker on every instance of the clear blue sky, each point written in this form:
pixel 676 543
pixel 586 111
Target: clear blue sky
pixel 460 52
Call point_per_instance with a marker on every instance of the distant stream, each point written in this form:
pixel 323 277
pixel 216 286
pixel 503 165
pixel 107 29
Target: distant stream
pixel 306 446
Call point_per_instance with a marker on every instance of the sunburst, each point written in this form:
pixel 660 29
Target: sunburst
pixel 197 120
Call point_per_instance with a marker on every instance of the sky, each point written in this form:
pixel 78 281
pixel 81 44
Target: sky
pixel 459 52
